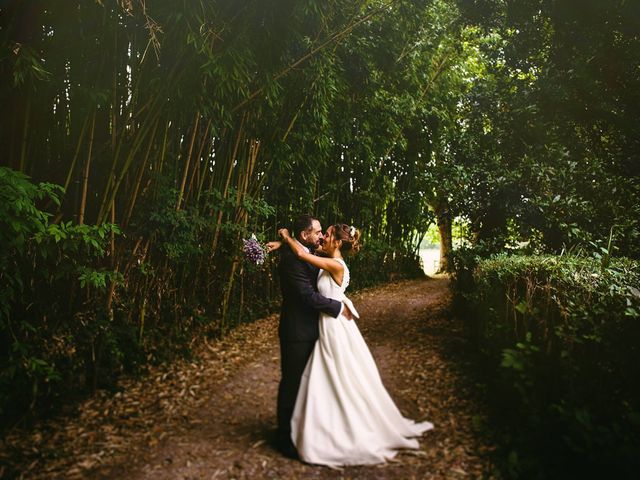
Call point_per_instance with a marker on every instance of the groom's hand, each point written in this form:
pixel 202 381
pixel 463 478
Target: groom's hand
pixel 273 246
pixel 347 313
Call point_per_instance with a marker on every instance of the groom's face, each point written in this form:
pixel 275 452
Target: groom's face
pixel 311 238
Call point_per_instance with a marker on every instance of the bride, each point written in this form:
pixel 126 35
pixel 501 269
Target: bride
pixel 343 414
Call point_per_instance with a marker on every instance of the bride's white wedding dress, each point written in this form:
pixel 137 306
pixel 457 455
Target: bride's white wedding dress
pixel 343 414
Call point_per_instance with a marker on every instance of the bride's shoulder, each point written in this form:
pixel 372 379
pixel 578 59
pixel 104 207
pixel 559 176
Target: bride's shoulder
pixel 344 265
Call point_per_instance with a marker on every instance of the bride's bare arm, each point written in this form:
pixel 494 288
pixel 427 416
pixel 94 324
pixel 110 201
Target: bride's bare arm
pixel 336 269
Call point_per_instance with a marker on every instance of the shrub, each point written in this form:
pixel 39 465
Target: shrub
pixel 41 334
pixel 565 332
pixel 378 262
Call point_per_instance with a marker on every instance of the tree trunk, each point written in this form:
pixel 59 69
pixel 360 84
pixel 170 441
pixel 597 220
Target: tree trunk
pixel 446 236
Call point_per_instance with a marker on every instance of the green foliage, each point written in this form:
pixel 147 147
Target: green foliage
pixel 27 67
pixel 194 124
pixel 38 331
pixel 546 139
pixel 377 263
pixel 432 236
pixel 563 332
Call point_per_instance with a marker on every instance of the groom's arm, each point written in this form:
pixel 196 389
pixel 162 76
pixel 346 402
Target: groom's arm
pixel 299 281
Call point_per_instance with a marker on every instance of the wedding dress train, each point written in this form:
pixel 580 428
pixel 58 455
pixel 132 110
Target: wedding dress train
pixel 343 413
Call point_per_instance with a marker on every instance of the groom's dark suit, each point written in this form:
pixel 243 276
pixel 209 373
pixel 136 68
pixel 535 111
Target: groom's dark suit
pixel 298 330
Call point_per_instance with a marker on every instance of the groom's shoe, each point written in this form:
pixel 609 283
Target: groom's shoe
pixel 289 451
pixel 286 447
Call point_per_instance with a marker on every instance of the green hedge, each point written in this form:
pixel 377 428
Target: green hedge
pixel 561 336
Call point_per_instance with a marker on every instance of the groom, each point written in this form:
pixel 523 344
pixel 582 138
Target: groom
pixel 298 330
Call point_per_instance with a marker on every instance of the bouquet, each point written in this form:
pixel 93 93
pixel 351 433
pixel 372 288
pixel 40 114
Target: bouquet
pixel 254 251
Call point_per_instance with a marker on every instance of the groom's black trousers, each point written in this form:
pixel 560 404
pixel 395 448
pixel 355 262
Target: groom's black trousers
pixel 293 359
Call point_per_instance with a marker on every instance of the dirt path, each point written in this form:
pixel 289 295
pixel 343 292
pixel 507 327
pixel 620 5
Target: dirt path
pixel 214 417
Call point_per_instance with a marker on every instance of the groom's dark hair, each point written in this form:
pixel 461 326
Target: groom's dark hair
pixel 303 223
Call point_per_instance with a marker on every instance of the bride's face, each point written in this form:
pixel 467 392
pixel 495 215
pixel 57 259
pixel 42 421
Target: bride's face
pixel 330 244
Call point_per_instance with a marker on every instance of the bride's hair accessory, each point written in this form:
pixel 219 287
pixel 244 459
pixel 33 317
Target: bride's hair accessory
pixel 349 235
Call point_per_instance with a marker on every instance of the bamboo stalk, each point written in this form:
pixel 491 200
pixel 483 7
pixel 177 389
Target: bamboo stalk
pixel 243 182
pixel 114 264
pixel 205 171
pixel 110 179
pixel 140 136
pixel 133 256
pixel 85 175
pixel 143 310
pixel 76 154
pixel 110 187
pixel 198 158
pixel 216 235
pixel 141 170
pixel 114 103
pixel 227 296
pixel 188 161
pixel 113 235
pixel 162 156
pixel 112 286
pixel 241 218
pixel 25 136
pixel 58 216
pixel 241 302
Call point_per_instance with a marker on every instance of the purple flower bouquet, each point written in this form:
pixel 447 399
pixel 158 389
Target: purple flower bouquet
pixel 254 251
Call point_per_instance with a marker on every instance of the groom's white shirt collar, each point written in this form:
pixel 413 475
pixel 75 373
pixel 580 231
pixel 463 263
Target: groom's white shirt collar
pixel 306 248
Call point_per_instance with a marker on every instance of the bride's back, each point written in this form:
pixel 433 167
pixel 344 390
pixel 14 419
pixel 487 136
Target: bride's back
pixel 328 287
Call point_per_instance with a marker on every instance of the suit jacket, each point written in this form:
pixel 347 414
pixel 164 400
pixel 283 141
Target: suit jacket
pixel 301 302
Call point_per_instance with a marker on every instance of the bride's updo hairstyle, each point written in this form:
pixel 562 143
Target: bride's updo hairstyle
pixel 350 237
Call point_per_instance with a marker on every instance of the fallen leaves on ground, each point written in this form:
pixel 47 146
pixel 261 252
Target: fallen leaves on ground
pixel 214 416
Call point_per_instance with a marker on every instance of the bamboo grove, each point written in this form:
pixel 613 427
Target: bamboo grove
pixel 175 129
